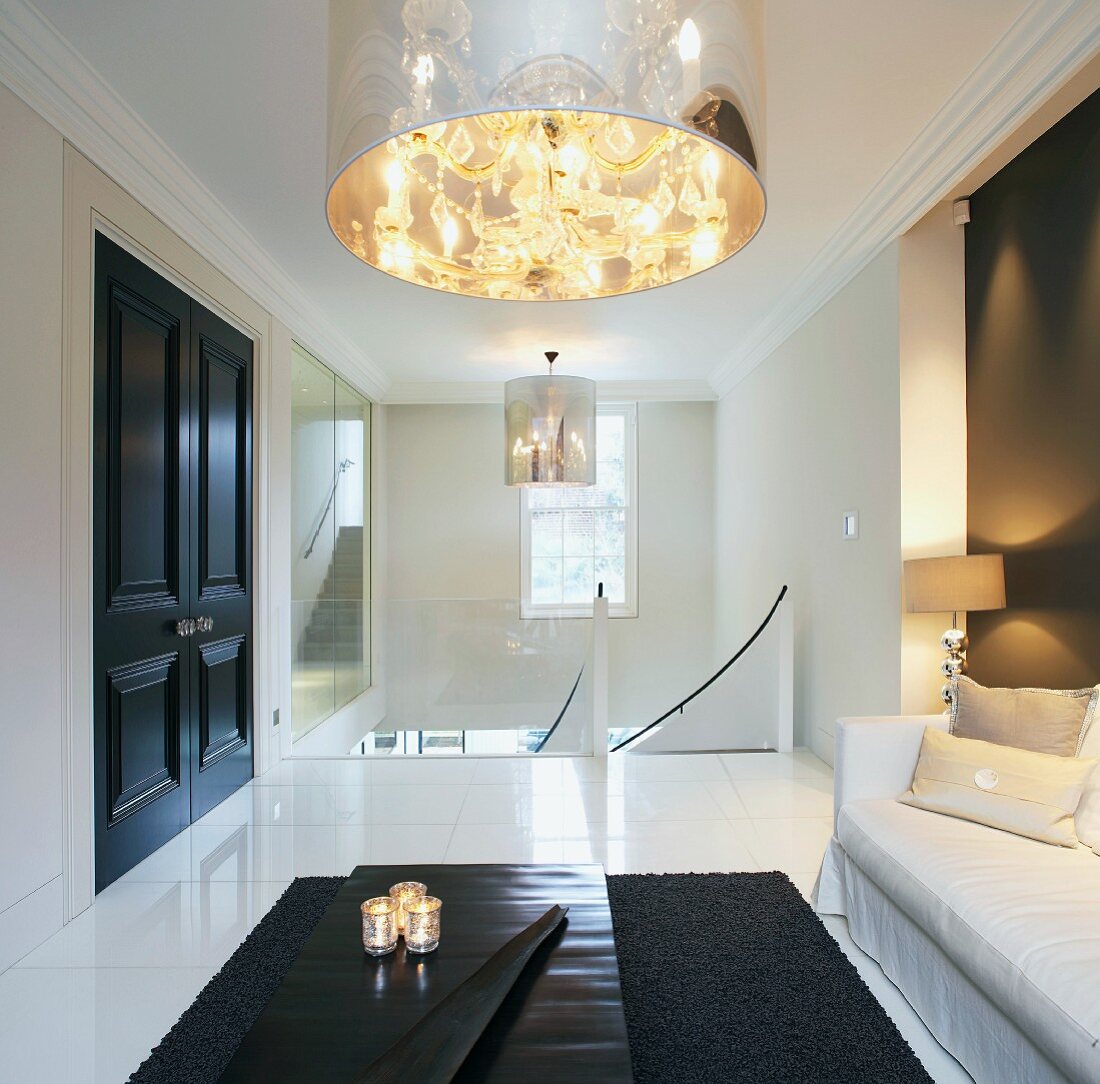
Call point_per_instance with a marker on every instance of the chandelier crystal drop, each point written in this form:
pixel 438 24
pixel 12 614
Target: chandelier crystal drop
pixel 539 150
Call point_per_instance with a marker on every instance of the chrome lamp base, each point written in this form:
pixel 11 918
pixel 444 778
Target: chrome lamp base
pixel 955 643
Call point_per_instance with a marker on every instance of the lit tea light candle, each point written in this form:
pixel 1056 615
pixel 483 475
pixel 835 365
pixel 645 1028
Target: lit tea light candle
pixel 380 925
pixel 422 924
pixel 403 892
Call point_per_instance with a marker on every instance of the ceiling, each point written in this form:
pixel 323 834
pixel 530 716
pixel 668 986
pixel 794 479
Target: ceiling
pixel 238 90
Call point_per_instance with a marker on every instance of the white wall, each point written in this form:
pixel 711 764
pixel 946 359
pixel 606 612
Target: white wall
pixel 932 346
pixel 452 525
pixel 30 529
pixel 452 531
pixel 808 435
pixel 35 167
pixel 665 653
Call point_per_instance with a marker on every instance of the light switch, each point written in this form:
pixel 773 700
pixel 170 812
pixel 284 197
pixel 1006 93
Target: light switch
pixel 851 526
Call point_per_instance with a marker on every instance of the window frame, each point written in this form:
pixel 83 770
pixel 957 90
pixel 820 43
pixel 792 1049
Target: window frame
pixel 628 608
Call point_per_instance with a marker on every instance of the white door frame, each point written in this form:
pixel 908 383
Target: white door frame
pixel 93 202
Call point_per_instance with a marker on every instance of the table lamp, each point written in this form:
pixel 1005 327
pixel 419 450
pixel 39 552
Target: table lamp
pixel 951 585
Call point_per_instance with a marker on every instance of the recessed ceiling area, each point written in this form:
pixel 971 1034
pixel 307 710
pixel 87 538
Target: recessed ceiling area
pixel 849 86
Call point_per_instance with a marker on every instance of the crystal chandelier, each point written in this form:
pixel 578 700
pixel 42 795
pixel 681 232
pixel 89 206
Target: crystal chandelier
pixel 543 150
pixel 550 430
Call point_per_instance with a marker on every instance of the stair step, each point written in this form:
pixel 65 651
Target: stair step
pixel 350 655
pixel 327 621
pixel 336 625
pixel 325 635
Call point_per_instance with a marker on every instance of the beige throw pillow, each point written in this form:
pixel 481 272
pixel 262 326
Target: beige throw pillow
pixel 1087 816
pixel 1042 720
pixel 1029 794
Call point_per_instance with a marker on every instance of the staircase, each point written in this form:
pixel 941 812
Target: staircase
pixel 335 629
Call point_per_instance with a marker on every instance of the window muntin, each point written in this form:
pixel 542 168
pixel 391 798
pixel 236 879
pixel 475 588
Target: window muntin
pixel 574 538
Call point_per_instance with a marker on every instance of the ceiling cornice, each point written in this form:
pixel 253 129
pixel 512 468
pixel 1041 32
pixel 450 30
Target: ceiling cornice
pixel 492 391
pixel 44 69
pixel 1046 45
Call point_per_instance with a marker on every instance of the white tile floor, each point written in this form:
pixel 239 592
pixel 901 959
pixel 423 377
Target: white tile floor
pixel 89 1003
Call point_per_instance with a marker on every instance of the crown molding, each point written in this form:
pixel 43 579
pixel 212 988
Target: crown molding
pixel 1046 45
pixel 492 391
pixel 44 69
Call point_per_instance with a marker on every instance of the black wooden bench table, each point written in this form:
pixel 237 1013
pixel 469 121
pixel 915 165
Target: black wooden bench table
pixel 339 1009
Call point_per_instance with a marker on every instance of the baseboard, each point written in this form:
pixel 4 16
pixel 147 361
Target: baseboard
pixel 26 924
pixel 821 745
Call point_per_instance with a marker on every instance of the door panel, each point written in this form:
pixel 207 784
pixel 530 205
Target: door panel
pixel 224 441
pixel 141 461
pixel 221 555
pixel 144 452
pixel 223 704
pixel 172 522
pixel 143 734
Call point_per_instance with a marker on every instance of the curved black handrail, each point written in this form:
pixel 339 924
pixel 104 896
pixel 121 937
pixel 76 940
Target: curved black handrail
pixel 561 714
pixel 706 684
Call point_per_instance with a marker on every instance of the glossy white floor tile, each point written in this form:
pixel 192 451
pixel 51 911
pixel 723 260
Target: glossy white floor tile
pixel 90 1003
pixel 160 924
pixel 766 798
pixel 88 1023
pixel 474 843
pixel 457 771
pixel 793 845
pixel 538 773
pixel 395 844
pixel 729 801
pixel 668 767
pixel 799 765
pixel 673 847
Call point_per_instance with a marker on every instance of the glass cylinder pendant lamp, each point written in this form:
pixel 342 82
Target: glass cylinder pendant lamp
pixel 550 430
pixel 545 150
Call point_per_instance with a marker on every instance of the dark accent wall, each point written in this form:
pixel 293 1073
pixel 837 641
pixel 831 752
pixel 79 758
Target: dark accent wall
pixel 1033 406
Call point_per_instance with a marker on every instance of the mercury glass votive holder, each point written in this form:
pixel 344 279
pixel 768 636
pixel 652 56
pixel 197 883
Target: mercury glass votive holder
pixel 422 924
pixel 380 925
pixel 404 891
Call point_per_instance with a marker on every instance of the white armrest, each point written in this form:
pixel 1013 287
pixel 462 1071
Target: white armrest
pixel 875 755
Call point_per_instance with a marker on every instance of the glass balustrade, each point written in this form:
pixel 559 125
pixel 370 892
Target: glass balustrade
pixel 472 676
pixel 745 705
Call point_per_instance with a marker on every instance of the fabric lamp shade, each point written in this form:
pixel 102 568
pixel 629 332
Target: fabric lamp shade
pixel 945 584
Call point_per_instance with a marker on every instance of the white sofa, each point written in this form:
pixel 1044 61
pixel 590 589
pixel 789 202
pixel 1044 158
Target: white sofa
pixel 994 939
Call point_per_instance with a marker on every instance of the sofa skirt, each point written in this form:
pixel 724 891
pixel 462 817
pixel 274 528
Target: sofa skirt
pixel 965 1023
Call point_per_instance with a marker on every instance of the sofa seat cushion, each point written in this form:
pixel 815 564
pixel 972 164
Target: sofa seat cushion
pixel 1020 918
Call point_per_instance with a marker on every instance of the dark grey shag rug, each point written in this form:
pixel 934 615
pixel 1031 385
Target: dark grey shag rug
pixel 725 977
pixel 731 977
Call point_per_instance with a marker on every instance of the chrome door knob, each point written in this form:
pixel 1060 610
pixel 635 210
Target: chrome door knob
pixel 205 624
pixel 186 626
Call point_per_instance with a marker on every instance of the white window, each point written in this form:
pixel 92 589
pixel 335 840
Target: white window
pixel 574 538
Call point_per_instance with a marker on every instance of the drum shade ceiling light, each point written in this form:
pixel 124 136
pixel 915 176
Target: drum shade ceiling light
pixel 544 150
pixel 550 430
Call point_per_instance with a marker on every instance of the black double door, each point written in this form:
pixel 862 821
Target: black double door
pixel 172 551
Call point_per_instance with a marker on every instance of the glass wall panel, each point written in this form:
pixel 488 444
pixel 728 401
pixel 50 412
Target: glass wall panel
pixel 351 559
pixel 330 515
